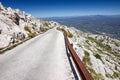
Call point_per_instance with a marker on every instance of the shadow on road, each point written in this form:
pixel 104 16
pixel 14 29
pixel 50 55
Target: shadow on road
pixel 70 62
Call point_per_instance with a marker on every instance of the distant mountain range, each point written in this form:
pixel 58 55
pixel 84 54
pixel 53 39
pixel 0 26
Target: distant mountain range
pixel 98 24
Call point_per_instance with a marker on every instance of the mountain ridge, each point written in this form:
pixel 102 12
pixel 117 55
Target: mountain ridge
pixel 99 53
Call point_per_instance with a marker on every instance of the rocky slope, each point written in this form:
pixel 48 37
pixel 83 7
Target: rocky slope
pixel 99 53
pixel 17 26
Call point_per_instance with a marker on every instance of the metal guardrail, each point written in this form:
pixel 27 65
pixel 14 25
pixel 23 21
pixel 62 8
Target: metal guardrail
pixel 83 72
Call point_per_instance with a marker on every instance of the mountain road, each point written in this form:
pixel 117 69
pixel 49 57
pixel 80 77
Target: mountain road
pixel 40 58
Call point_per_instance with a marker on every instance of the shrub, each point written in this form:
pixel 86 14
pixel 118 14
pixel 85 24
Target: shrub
pixel 31 35
pixel 108 75
pixel 11 47
pixel 27 29
pixel 45 29
pixel 98 56
pixel 107 47
pixel 86 59
pixel 116 67
pixel 46 24
pixel 100 44
pixel 115 75
pixel 70 35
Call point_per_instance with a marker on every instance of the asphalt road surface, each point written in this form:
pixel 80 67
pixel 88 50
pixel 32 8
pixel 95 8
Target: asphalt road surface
pixel 41 58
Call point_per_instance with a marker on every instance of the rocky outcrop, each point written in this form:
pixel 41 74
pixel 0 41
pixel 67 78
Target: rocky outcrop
pixel 16 25
pixel 99 53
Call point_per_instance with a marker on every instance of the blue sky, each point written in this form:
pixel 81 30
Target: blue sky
pixel 57 8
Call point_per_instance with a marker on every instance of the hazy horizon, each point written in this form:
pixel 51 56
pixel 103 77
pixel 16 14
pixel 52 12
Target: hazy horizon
pixel 80 16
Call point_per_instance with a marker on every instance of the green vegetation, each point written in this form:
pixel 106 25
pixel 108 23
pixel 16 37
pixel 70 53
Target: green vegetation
pixel 88 64
pixel 1 48
pixel 113 76
pixel 108 75
pixel 11 47
pixel 99 50
pixel 99 77
pixel 8 48
pixel 98 56
pixel 38 31
pixel 99 43
pixel 46 24
pixel 96 76
pixel 107 47
pixel 70 35
pixel 86 59
pixel 30 34
pixel 46 29
pixel 27 29
pixel 116 67
pixel 87 47
pixel 115 43
pixel 87 41
pixel 103 46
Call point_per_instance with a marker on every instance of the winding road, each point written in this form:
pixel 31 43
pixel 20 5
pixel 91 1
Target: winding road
pixel 41 58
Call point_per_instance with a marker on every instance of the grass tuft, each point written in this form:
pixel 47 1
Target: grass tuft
pixel 70 35
pixel 115 75
pixel 30 34
pixel 86 59
pixel 98 56
pixel 27 29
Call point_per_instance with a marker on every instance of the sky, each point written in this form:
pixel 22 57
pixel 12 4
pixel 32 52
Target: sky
pixel 61 8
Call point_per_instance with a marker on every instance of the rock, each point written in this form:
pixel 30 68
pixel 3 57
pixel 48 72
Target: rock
pixel 12 25
pixel 103 52
pixel 1 6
